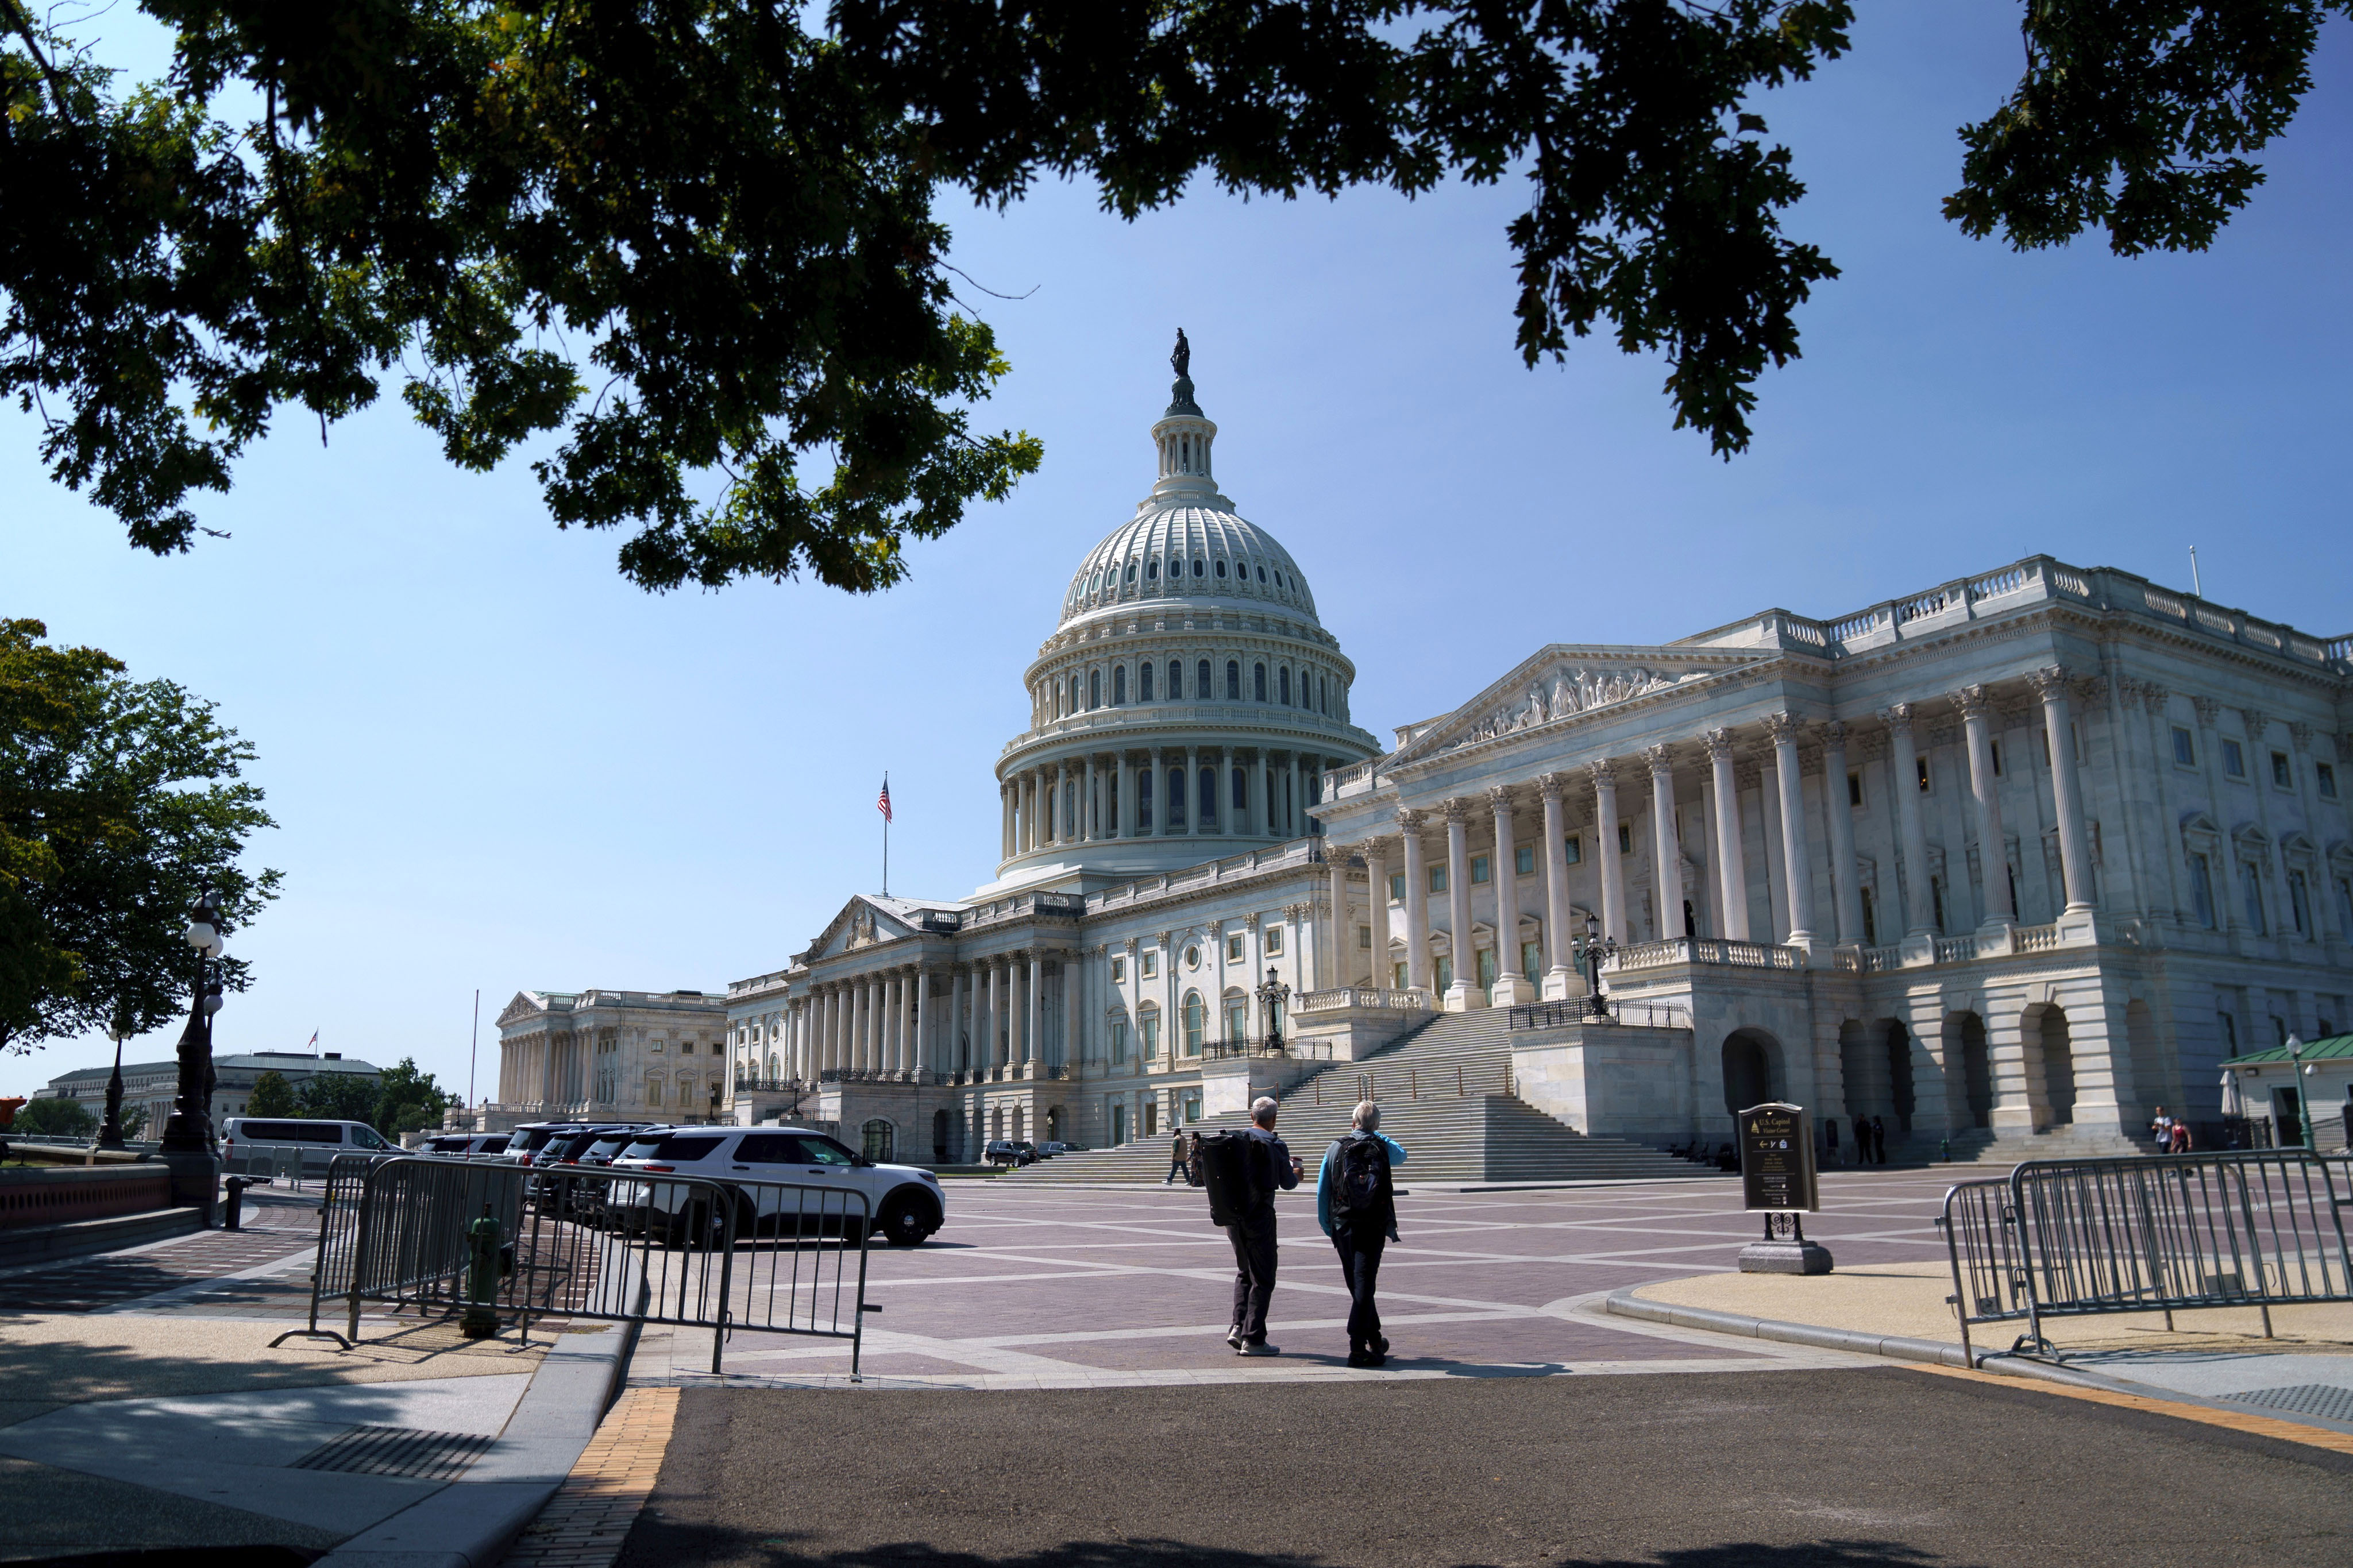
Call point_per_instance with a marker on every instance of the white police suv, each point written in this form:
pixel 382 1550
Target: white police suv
pixel 905 1200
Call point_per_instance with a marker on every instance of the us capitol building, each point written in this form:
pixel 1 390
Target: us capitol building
pixel 2010 861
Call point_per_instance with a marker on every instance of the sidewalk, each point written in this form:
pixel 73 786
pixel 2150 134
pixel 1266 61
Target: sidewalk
pixel 142 1406
pixel 2304 1372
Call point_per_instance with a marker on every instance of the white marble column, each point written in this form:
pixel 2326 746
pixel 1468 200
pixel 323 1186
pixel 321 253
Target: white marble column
pixel 2067 788
pixel 1796 859
pixel 1064 829
pixel 1033 1011
pixel 1193 790
pixel 1005 821
pixel 1559 968
pixel 1846 887
pixel 1609 863
pixel 1416 905
pixel 1266 802
pixel 1294 814
pixel 1512 987
pixel 1993 852
pixel 1919 898
pixel 1731 871
pixel 1230 815
pixel 1666 846
pixel 1159 777
pixel 1091 814
pixel 911 1015
pixel 1073 1016
pixel 970 1053
pixel 1124 806
pixel 1459 995
pixel 1377 881
pixel 1340 972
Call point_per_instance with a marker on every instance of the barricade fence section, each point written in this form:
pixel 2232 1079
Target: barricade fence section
pixel 2167 1232
pixel 776 1256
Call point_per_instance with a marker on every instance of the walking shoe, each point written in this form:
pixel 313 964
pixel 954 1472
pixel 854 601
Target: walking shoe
pixel 1373 1358
pixel 1359 1356
pixel 1379 1347
pixel 1257 1347
pixel 1235 1338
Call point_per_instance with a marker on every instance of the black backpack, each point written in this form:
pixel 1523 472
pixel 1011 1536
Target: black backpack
pixel 1360 1180
pixel 1221 1164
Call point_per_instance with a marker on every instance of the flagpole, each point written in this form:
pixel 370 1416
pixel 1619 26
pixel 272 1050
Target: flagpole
pixel 886 836
pixel 474 1049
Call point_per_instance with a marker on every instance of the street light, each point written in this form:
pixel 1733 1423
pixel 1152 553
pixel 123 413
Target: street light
pixel 2297 1070
pixel 187 1139
pixel 1596 949
pixel 1272 997
pixel 110 1132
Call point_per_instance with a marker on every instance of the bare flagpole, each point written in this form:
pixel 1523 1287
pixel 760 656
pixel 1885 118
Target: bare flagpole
pixel 474 1050
pixel 886 832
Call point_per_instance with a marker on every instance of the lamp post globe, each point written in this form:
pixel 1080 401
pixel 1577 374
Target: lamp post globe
pixel 187 1137
pixel 1594 949
pixel 1271 998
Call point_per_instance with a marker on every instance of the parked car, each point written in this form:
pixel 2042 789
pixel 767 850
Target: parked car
pixel 530 1137
pixel 572 1147
pixel 1047 1151
pixel 904 1200
pixel 263 1146
pixel 1014 1152
pixel 464 1145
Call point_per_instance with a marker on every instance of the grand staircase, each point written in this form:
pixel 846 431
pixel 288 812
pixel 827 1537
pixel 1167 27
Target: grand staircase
pixel 1444 1090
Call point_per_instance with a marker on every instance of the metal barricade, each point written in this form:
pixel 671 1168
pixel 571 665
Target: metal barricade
pixel 2167 1232
pixel 776 1256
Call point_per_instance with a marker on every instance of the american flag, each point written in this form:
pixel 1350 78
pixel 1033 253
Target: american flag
pixel 882 801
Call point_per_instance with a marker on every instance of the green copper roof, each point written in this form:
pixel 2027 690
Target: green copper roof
pixel 2335 1048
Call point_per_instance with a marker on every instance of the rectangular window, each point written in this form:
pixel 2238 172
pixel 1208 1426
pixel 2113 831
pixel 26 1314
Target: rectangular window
pixel 1437 878
pixel 1487 969
pixel 1119 1039
pixel 1396 888
pixel 2299 903
pixel 1233 947
pixel 2327 778
pixel 1237 1021
pixel 1523 860
pixel 1364 939
pixel 1531 959
pixel 1118 970
pixel 1480 872
pixel 2201 891
pixel 1444 975
pixel 1854 786
pixel 1151 964
pixel 653 1091
pixel 2281 776
pixel 2251 886
pixel 1397 975
pixel 1625 839
pixel 1572 850
pixel 2185 747
pixel 1274 942
pixel 1920 767
pixel 1149 1025
pixel 656 1046
pixel 2234 759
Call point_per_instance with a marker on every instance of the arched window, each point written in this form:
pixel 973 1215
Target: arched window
pixel 1131 570
pixel 1144 683
pixel 1258 680
pixel 1240 792
pixel 1176 799
pixel 1094 689
pixel 1323 695
pixel 1222 568
pixel 1058 697
pixel 1282 684
pixel 1152 569
pixel 1233 681
pixel 1176 567
pixel 1262 573
pixel 1200 567
pixel 1176 679
pixel 1196 1023
pixel 1144 801
pixel 1118 684
pixel 1209 797
pixel 877 1138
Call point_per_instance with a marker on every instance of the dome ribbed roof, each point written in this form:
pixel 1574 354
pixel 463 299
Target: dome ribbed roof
pixel 1190 553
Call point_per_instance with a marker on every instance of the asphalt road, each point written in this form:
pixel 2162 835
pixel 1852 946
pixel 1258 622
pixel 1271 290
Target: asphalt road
pixel 1861 1468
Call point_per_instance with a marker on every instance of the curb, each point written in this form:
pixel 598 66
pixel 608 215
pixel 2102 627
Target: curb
pixel 1895 1347
pixel 471 1523
pixel 81 1237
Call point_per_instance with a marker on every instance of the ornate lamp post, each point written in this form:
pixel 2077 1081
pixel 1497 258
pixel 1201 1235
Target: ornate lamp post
pixel 2297 1069
pixel 1271 998
pixel 1594 949
pixel 110 1132
pixel 187 1141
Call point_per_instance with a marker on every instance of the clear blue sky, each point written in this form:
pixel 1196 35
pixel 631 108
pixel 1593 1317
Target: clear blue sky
pixel 495 765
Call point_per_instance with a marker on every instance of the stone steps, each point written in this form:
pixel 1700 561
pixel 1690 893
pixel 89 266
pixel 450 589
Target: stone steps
pixel 1441 1093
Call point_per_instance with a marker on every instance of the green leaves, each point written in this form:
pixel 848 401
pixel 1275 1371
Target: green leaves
pixel 2131 118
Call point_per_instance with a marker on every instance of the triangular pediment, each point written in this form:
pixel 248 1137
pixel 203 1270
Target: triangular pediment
pixel 1561 684
pixel 526 1004
pixel 863 922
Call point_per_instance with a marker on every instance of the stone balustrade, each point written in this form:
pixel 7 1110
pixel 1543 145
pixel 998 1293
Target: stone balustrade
pixel 1360 996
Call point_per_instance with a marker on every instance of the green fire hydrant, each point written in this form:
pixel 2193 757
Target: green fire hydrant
pixel 485 1266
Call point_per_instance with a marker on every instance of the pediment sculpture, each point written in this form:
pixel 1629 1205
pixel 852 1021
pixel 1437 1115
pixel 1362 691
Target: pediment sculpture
pixel 1566 689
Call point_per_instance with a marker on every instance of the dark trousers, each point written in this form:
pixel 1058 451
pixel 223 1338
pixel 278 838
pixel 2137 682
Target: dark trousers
pixel 1176 1170
pixel 1360 1265
pixel 1253 1275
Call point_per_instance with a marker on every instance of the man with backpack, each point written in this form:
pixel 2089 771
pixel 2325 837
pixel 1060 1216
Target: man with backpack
pixel 1245 1197
pixel 1355 1201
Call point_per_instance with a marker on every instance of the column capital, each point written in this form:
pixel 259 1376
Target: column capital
pixel 2259 724
pixel 1834 735
pixel 2154 697
pixel 1973 701
pixel 1551 787
pixel 2299 735
pixel 2050 683
pixel 1720 745
pixel 1500 797
pixel 1411 822
pixel 1662 759
pixel 1456 811
pixel 1604 775
pixel 1784 728
pixel 2209 710
pixel 1898 716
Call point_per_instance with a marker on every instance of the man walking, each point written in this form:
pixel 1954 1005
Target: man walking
pixel 1176 1166
pixel 1267 1165
pixel 1878 1142
pixel 1355 1203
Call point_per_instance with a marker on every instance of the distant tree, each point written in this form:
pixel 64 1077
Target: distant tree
pixel 687 252
pixel 337 1097
pixel 56 1119
pixel 271 1096
pixel 116 798
pixel 407 1099
pixel 134 1120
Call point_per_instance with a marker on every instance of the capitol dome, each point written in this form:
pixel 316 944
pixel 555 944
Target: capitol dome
pixel 1188 701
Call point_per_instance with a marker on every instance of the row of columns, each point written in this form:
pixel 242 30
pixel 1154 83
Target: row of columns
pixel 885 1022
pixel 1079 800
pixel 1784 732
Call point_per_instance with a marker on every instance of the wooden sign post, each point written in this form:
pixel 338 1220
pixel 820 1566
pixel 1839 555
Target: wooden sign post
pixel 1778 1178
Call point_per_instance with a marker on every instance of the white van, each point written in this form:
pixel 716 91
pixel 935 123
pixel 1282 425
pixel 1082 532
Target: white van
pixel 259 1146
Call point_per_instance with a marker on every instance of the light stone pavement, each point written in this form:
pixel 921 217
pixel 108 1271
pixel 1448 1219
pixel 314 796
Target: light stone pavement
pixel 1131 1287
